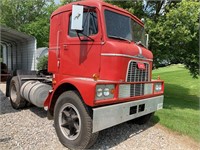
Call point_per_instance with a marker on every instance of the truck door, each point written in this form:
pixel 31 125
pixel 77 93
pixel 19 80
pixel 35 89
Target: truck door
pixel 54 44
pixel 80 54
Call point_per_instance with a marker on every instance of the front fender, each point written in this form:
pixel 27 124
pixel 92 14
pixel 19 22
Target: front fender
pixel 85 86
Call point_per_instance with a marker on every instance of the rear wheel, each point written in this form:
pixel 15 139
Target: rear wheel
pixel 16 100
pixel 73 122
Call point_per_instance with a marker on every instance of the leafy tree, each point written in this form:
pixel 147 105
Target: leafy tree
pixel 145 8
pixel 63 2
pixel 134 7
pixel 174 36
pixel 29 16
pixel 42 63
pixel 156 8
pixel 16 13
pixel 40 27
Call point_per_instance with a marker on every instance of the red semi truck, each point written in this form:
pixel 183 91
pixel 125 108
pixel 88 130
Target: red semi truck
pixel 101 73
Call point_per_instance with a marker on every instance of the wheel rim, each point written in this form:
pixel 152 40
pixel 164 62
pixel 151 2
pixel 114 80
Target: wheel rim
pixel 69 121
pixel 13 93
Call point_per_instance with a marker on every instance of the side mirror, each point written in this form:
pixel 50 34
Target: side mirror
pixel 147 40
pixel 77 17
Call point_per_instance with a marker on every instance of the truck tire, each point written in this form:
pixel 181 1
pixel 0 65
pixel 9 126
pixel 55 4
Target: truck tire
pixel 143 119
pixel 16 100
pixel 73 122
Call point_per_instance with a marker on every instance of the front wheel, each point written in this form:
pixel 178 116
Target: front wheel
pixel 73 122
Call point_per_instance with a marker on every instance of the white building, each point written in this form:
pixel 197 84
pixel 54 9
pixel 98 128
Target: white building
pixel 18 50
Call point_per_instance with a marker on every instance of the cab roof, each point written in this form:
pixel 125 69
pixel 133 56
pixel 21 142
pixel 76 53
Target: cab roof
pixel 92 3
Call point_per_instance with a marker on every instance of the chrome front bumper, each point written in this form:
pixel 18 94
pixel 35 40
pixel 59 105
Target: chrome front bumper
pixel 108 116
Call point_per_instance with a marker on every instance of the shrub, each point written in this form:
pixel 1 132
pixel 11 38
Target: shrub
pixel 42 63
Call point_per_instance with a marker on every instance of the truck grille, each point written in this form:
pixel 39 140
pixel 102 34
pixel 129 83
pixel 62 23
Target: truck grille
pixel 137 75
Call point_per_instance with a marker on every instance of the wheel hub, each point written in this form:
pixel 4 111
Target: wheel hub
pixel 69 121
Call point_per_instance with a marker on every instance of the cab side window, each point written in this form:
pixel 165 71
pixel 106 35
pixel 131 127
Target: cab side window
pixel 90 25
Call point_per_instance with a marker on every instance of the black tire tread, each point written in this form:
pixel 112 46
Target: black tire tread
pixel 21 101
pixel 89 138
pixel 93 139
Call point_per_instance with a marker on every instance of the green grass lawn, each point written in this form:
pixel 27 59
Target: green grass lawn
pixel 181 103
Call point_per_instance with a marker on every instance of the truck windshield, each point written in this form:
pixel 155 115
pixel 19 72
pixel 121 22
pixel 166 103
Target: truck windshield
pixel 124 28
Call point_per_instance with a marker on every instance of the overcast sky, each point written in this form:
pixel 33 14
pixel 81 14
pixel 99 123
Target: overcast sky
pixel 57 1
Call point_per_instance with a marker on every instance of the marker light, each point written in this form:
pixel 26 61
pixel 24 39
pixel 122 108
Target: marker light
pixel 95 77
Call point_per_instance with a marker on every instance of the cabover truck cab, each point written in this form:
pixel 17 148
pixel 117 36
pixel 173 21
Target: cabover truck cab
pixel 101 73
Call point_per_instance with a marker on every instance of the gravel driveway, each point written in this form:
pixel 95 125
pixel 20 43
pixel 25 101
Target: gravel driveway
pixel 30 129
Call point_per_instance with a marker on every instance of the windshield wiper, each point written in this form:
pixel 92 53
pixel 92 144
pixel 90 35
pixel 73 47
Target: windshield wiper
pixel 118 37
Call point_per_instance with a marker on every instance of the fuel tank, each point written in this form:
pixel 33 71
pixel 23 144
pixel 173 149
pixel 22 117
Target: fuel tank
pixel 35 92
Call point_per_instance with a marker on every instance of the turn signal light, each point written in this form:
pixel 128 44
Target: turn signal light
pixel 158 77
pixel 53 81
pixel 112 91
pixel 95 77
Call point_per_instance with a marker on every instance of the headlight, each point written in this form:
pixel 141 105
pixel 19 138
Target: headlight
pixel 158 87
pixel 104 91
pixel 99 92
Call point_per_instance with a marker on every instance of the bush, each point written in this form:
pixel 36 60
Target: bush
pixel 42 63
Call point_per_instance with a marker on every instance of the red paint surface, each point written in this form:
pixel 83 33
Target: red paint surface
pixel 70 59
